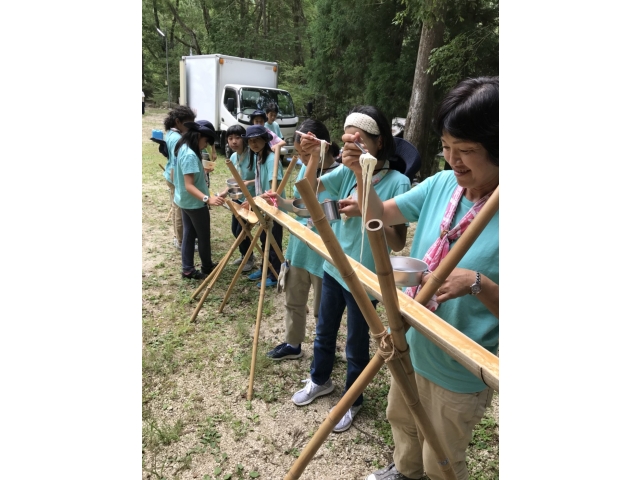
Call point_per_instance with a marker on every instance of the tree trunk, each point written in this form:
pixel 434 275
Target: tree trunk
pixel 298 23
pixel 206 17
pixel 417 128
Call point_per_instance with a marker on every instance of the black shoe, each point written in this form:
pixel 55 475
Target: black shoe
pixel 215 264
pixel 194 275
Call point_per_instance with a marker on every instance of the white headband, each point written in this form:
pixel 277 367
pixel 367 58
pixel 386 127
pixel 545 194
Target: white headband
pixel 363 122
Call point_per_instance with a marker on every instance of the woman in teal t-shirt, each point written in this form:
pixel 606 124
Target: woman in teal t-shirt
pixel 192 196
pixel 375 132
pixel 174 128
pixel 305 265
pixel 443 205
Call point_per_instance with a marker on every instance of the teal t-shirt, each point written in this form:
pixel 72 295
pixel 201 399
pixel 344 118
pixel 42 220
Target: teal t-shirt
pixel 266 172
pixel 188 162
pixel 298 253
pixel 170 138
pixel 340 184
pixel 426 204
pixel 242 165
pixel 274 127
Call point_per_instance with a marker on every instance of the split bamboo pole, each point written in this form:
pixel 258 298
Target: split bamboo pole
pixel 478 360
pixel 233 209
pixel 348 274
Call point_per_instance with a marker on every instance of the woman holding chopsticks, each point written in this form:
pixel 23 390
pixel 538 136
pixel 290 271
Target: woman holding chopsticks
pixel 443 206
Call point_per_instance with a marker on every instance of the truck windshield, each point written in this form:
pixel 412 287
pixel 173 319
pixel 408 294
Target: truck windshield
pixel 259 98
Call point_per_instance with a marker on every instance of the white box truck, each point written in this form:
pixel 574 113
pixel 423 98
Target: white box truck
pixel 225 90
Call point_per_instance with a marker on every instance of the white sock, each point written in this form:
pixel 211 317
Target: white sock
pixel 294 346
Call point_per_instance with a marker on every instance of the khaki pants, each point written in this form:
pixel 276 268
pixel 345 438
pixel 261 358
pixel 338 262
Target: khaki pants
pixel 176 216
pixel 454 415
pixel 297 287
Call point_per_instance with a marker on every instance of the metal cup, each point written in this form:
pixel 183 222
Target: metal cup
pixel 330 209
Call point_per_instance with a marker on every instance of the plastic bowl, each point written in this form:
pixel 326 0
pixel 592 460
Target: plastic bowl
pixel 207 164
pixel 300 209
pixel 407 271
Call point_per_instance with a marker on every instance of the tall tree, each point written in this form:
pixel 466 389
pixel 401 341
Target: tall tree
pixel 417 128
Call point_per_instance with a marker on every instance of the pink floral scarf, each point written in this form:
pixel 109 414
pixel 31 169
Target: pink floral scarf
pixel 440 247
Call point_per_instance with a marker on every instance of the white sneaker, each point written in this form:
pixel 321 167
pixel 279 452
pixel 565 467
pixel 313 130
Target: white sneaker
pixel 249 265
pixel 312 391
pixel 238 261
pixel 346 421
pixel 176 244
pixel 196 249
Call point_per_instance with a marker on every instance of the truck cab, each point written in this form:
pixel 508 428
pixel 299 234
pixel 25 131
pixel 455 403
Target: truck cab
pixel 225 90
pixel 240 101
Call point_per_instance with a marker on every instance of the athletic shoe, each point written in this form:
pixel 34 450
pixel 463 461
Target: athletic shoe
pixel 196 248
pixel 346 421
pixel 238 261
pixel 284 351
pixel 270 283
pixel 177 244
pixel 249 265
pixel 387 473
pixel 257 275
pixel 312 391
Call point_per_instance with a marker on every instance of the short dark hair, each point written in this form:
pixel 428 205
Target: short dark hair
pixel 272 107
pixel 236 130
pixel 181 112
pixel 388 150
pixel 470 112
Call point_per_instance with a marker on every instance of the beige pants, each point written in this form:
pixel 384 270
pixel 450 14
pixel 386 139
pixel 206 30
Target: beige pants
pixel 297 287
pixel 454 415
pixel 176 215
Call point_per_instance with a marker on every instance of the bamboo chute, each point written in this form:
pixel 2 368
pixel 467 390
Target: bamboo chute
pixel 479 361
pixel 385 350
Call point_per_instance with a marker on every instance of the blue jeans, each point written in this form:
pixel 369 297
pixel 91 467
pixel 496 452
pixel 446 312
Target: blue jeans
pixel 334 300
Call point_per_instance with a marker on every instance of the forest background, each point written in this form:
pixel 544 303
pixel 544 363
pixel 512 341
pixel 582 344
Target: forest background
pixel 399 55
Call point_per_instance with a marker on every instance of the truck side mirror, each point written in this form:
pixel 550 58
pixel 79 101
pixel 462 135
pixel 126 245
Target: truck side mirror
pixel 309 108
pixel 231 105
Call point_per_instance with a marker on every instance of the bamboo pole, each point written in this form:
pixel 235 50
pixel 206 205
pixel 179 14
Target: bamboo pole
pixel 276 165
pixel 263 286
pixel 478 360
pixel 378 330
pixel 334 416
pixel 401 368
pixel 461 247
pixel 212 278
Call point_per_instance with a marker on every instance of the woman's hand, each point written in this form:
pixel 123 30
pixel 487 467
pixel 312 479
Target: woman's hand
pixel 458 284
pixel 216 201
pixel 309 144
pixel 245 205
pixel 272 198
pixel 351 153
pixel 349 207
pixel 208 170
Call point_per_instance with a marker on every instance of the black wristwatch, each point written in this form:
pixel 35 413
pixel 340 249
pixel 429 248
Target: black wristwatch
pixel 476 288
